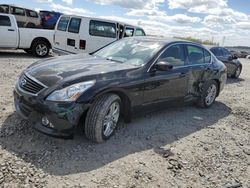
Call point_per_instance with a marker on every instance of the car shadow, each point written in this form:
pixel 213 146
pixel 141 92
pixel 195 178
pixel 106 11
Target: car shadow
pixel 235 81
pixel 18 54
pixel 147 132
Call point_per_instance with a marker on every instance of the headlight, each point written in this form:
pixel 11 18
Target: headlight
pixel 71 93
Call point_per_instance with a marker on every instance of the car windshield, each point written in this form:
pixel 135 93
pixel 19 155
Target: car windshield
pixel 130 51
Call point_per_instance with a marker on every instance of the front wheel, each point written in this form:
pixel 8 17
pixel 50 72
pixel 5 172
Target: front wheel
pixel 102 118
pixel 209 94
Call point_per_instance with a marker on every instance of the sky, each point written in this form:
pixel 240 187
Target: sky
pixel 223 21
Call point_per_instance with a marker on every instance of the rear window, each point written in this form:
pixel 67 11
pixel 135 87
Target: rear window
pixel 195 55
pixel 31 13
pixel 102 29
pixel 4 9
pixel 17 11
pixel 139 32
pixel 74 25
pixel 5 21
pixel 63 24
pixel 207 56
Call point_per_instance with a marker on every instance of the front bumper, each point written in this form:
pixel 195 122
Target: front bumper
pixel 63 117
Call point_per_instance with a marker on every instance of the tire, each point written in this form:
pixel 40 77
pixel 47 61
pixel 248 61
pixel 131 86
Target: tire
pixel 95 127
pixel 210 86
pixel 40 48
pixel 237 72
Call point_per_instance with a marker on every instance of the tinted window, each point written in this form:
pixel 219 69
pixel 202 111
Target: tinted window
pixel 17 11
pixel 139 32
pixel 102 29
pixel 217 51
pixel 174 55
pixel 31 13
pixel 129 32
pixel 74 25
pixel 207 56
pixel 226 52
pixel 5 21
pixel 195 55
pixel 63 24
pixel 4 9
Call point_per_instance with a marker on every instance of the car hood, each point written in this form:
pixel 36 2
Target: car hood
pixel 53 70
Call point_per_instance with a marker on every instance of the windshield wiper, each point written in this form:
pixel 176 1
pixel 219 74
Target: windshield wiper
pixel 111 59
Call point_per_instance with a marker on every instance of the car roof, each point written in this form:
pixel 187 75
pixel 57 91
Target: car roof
pixel 163 40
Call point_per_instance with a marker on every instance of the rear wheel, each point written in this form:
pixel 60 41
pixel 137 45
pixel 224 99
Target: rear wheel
pixel 209 94
pixel 40 48
pixel 237 72
pixel 102 118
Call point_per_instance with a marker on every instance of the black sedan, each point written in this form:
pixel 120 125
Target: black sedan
pixel 129 75
pixel 234 66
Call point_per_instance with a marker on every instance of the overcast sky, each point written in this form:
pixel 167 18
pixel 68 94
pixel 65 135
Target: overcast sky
pixel 203 19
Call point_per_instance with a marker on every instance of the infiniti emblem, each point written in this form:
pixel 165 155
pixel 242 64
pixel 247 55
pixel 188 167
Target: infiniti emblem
pixel 23 81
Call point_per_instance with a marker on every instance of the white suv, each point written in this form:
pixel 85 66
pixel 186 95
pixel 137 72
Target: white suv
pixel 25 17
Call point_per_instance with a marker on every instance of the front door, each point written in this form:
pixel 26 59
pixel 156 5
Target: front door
pixel 9 33
pixel 163 86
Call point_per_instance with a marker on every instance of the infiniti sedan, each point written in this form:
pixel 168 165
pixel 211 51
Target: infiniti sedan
pixel 95 90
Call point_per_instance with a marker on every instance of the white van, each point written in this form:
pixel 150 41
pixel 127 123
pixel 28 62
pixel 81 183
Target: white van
pixel 75 34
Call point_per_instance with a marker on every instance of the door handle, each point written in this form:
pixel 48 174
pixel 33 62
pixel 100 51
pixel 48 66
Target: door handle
pixel 11 30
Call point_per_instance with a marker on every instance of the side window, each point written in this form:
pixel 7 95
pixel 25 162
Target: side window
pixel 5 21
pixel 207 56
pixel 139 32
pixel 217 52
pixel 4 9
pixel 129 32
pixel 195 55
pixel 102 29
pixel 226 52
pixel 17 11
pixel 74 25
pixel 174 55
pixel 63 24
pixel 31 13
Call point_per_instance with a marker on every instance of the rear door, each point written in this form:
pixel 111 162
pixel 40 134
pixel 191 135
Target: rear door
pixel 60 38
pixel 200 67
pixel 73 37
pixel 9 33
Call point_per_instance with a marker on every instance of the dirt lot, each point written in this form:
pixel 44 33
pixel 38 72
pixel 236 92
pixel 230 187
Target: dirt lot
pixel 177 147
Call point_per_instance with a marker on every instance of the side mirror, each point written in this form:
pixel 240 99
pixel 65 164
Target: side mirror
pixel 163 66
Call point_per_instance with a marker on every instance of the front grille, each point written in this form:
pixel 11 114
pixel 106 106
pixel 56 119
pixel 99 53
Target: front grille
pixel 29 85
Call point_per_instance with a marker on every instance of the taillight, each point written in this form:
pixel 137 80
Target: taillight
pixel 82 45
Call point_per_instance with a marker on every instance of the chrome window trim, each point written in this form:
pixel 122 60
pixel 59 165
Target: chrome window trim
pixel 182 66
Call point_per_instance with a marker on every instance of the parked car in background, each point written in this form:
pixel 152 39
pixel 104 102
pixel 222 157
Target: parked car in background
pixel 243 54
pixel 24 17
pixel 75 34
pixel 34 41
pixel 126 76
pixel 248 57
pixel 234 66
pixel 235 53
pixel 49 19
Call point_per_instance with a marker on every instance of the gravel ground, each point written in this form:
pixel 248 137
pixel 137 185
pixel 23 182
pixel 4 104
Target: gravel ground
pixel 177 147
